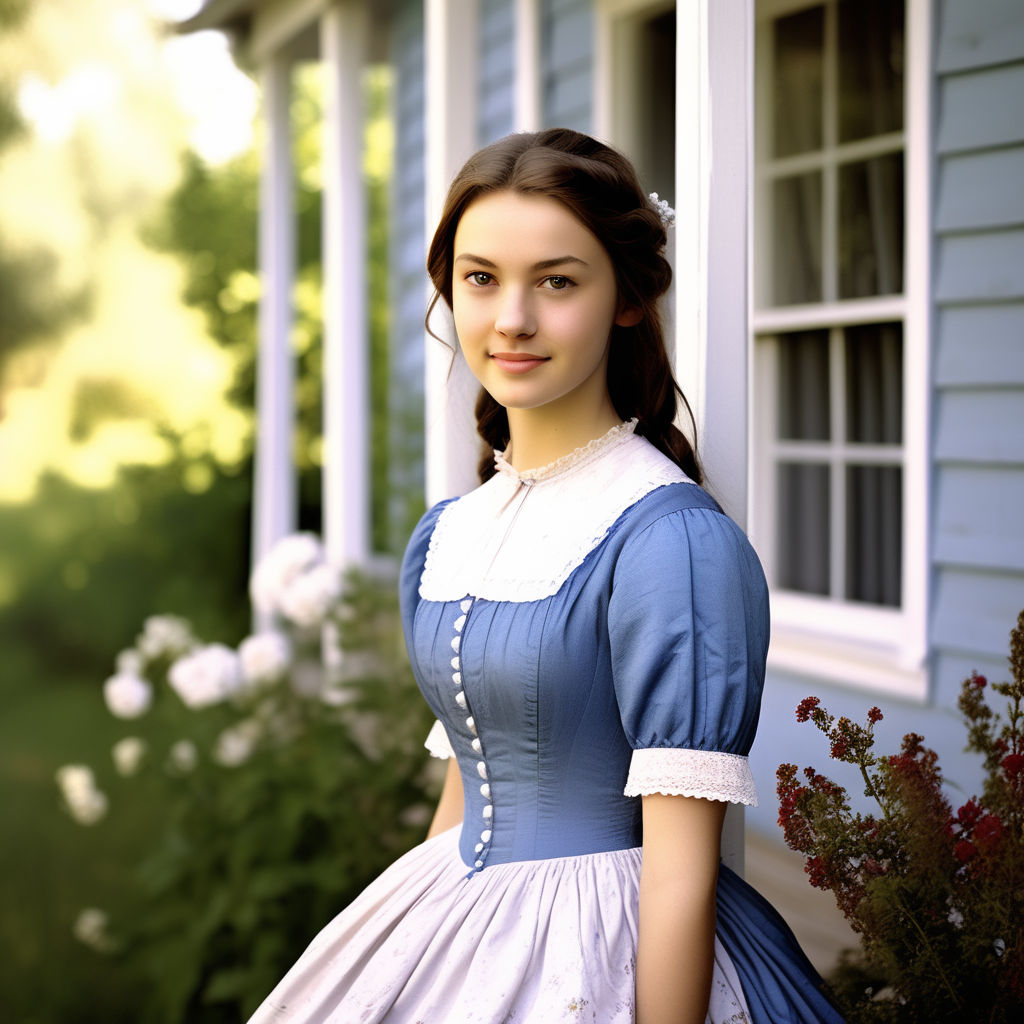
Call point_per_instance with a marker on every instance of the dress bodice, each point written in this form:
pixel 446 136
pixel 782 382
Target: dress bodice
pixel 652 640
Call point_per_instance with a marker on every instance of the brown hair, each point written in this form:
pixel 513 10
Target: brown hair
pixel 600 188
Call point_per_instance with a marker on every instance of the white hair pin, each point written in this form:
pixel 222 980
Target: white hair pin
pixel 664 211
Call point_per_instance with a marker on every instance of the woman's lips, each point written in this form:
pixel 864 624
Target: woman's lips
pixel 517 362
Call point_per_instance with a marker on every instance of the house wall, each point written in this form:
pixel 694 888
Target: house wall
pixel 976 357
pixel 496 70
pixel 567 63
pixel 977 403
pixel 408 276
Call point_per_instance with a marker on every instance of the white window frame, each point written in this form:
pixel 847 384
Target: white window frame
pixel 880 649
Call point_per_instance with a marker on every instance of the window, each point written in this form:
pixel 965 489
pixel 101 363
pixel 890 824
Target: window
pixel 838 431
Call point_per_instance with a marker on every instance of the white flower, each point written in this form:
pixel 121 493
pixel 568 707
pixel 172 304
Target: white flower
pixel 308 598
pixel 207 676
pixel 128 754
pixel 999 946
pixel 235 745
pixel 85 802
pixel 183 756
pixel 264 657
pixel 164 635
pixel 955 918
pixel 130 662
pixel 90 928
pixel 127 695
pixel 288 558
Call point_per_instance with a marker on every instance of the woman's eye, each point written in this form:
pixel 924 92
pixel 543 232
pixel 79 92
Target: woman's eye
pixel 558 283
pixel 480 277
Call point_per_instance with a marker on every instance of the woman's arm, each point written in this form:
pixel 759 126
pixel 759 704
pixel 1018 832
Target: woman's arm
pixel 675 955
pixel 449 807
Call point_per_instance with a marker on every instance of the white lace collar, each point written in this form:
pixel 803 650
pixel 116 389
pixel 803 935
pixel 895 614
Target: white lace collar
pixel 518 537
pixel 574 460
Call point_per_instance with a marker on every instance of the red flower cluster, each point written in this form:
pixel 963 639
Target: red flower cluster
pixel 937 895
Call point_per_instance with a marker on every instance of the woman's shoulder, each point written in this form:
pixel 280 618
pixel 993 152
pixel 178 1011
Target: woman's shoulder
pixel 682 523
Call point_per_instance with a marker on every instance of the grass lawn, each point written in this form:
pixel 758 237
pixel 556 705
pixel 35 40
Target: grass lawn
pixel 51 867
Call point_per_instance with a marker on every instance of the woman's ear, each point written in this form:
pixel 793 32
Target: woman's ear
pixel 629 316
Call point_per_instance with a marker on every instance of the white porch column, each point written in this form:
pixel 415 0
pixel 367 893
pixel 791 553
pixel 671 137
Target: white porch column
pixel 451 441
pixel 274 503
pixel 346 499
pixel 714 147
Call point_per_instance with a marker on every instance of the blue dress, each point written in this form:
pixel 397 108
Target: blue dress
pixel 585 633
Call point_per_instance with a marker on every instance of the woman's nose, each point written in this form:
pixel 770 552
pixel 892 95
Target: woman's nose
pixel 515 317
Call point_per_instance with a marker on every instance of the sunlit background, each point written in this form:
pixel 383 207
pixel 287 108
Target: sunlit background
pixel 108 103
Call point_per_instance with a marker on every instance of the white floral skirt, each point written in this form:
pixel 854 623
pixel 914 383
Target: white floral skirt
pixel 530 942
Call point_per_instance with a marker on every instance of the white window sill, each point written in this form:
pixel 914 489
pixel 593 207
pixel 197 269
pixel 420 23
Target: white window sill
pixel 859 647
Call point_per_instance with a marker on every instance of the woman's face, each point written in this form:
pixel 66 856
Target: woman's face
pixel 534 299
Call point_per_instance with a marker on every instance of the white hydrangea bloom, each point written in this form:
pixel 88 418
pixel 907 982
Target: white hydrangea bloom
pixel 235 744
pixel 290 557
pixel 130 662
pixel 207 676
pixel 128 754
pixel 84 800
pixel 308 598
pixel 127 695
pixel 90 928
pixel 184 756
pixel 165 635
pixel 264 657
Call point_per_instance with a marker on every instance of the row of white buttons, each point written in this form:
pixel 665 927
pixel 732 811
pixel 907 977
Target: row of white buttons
pixel 481 766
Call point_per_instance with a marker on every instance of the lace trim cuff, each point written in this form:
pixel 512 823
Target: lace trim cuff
pixel 437 742
pixel 680 772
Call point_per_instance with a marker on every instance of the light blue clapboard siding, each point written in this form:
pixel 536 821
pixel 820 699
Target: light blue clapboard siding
pixel 408 276
pixel 496 70
pixel 977 544
pixel 974 610
pixel 976 452
pixel 981 190
pixel 980 516
pixel 980 345
pixel 980 267
pixel 567 63
pixel 979 33
pixel 981 425
pixel 982 108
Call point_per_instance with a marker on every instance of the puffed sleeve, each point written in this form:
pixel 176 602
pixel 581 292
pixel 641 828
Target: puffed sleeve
pixel 688 623
pixel 408 598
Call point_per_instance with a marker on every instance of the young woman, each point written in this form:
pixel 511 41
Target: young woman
pixel 591 631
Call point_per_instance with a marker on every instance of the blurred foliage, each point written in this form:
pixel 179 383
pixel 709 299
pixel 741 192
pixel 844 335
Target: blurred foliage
pixel 31 307
pixel 306 784
pixel 83 563
pixel 211 223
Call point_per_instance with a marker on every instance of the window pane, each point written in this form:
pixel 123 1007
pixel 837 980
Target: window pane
pixel 874 383
pixel 874 525
pixel 797 92
pixel 870 68
pixel 871 227
pixel 803 528
pixel 803 412
pixel 796 240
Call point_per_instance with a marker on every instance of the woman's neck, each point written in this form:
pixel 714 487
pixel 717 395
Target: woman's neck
pixel 540 436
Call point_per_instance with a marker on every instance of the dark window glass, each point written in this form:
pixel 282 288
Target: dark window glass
pixel 871 227
pixel 874 383
pixel 870 68
pixel 803 545
pixel 874 526
pixel 796 240
pixel 798 82
pixel 803 411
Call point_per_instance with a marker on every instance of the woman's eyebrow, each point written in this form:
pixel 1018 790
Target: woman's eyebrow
pixel 557 261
